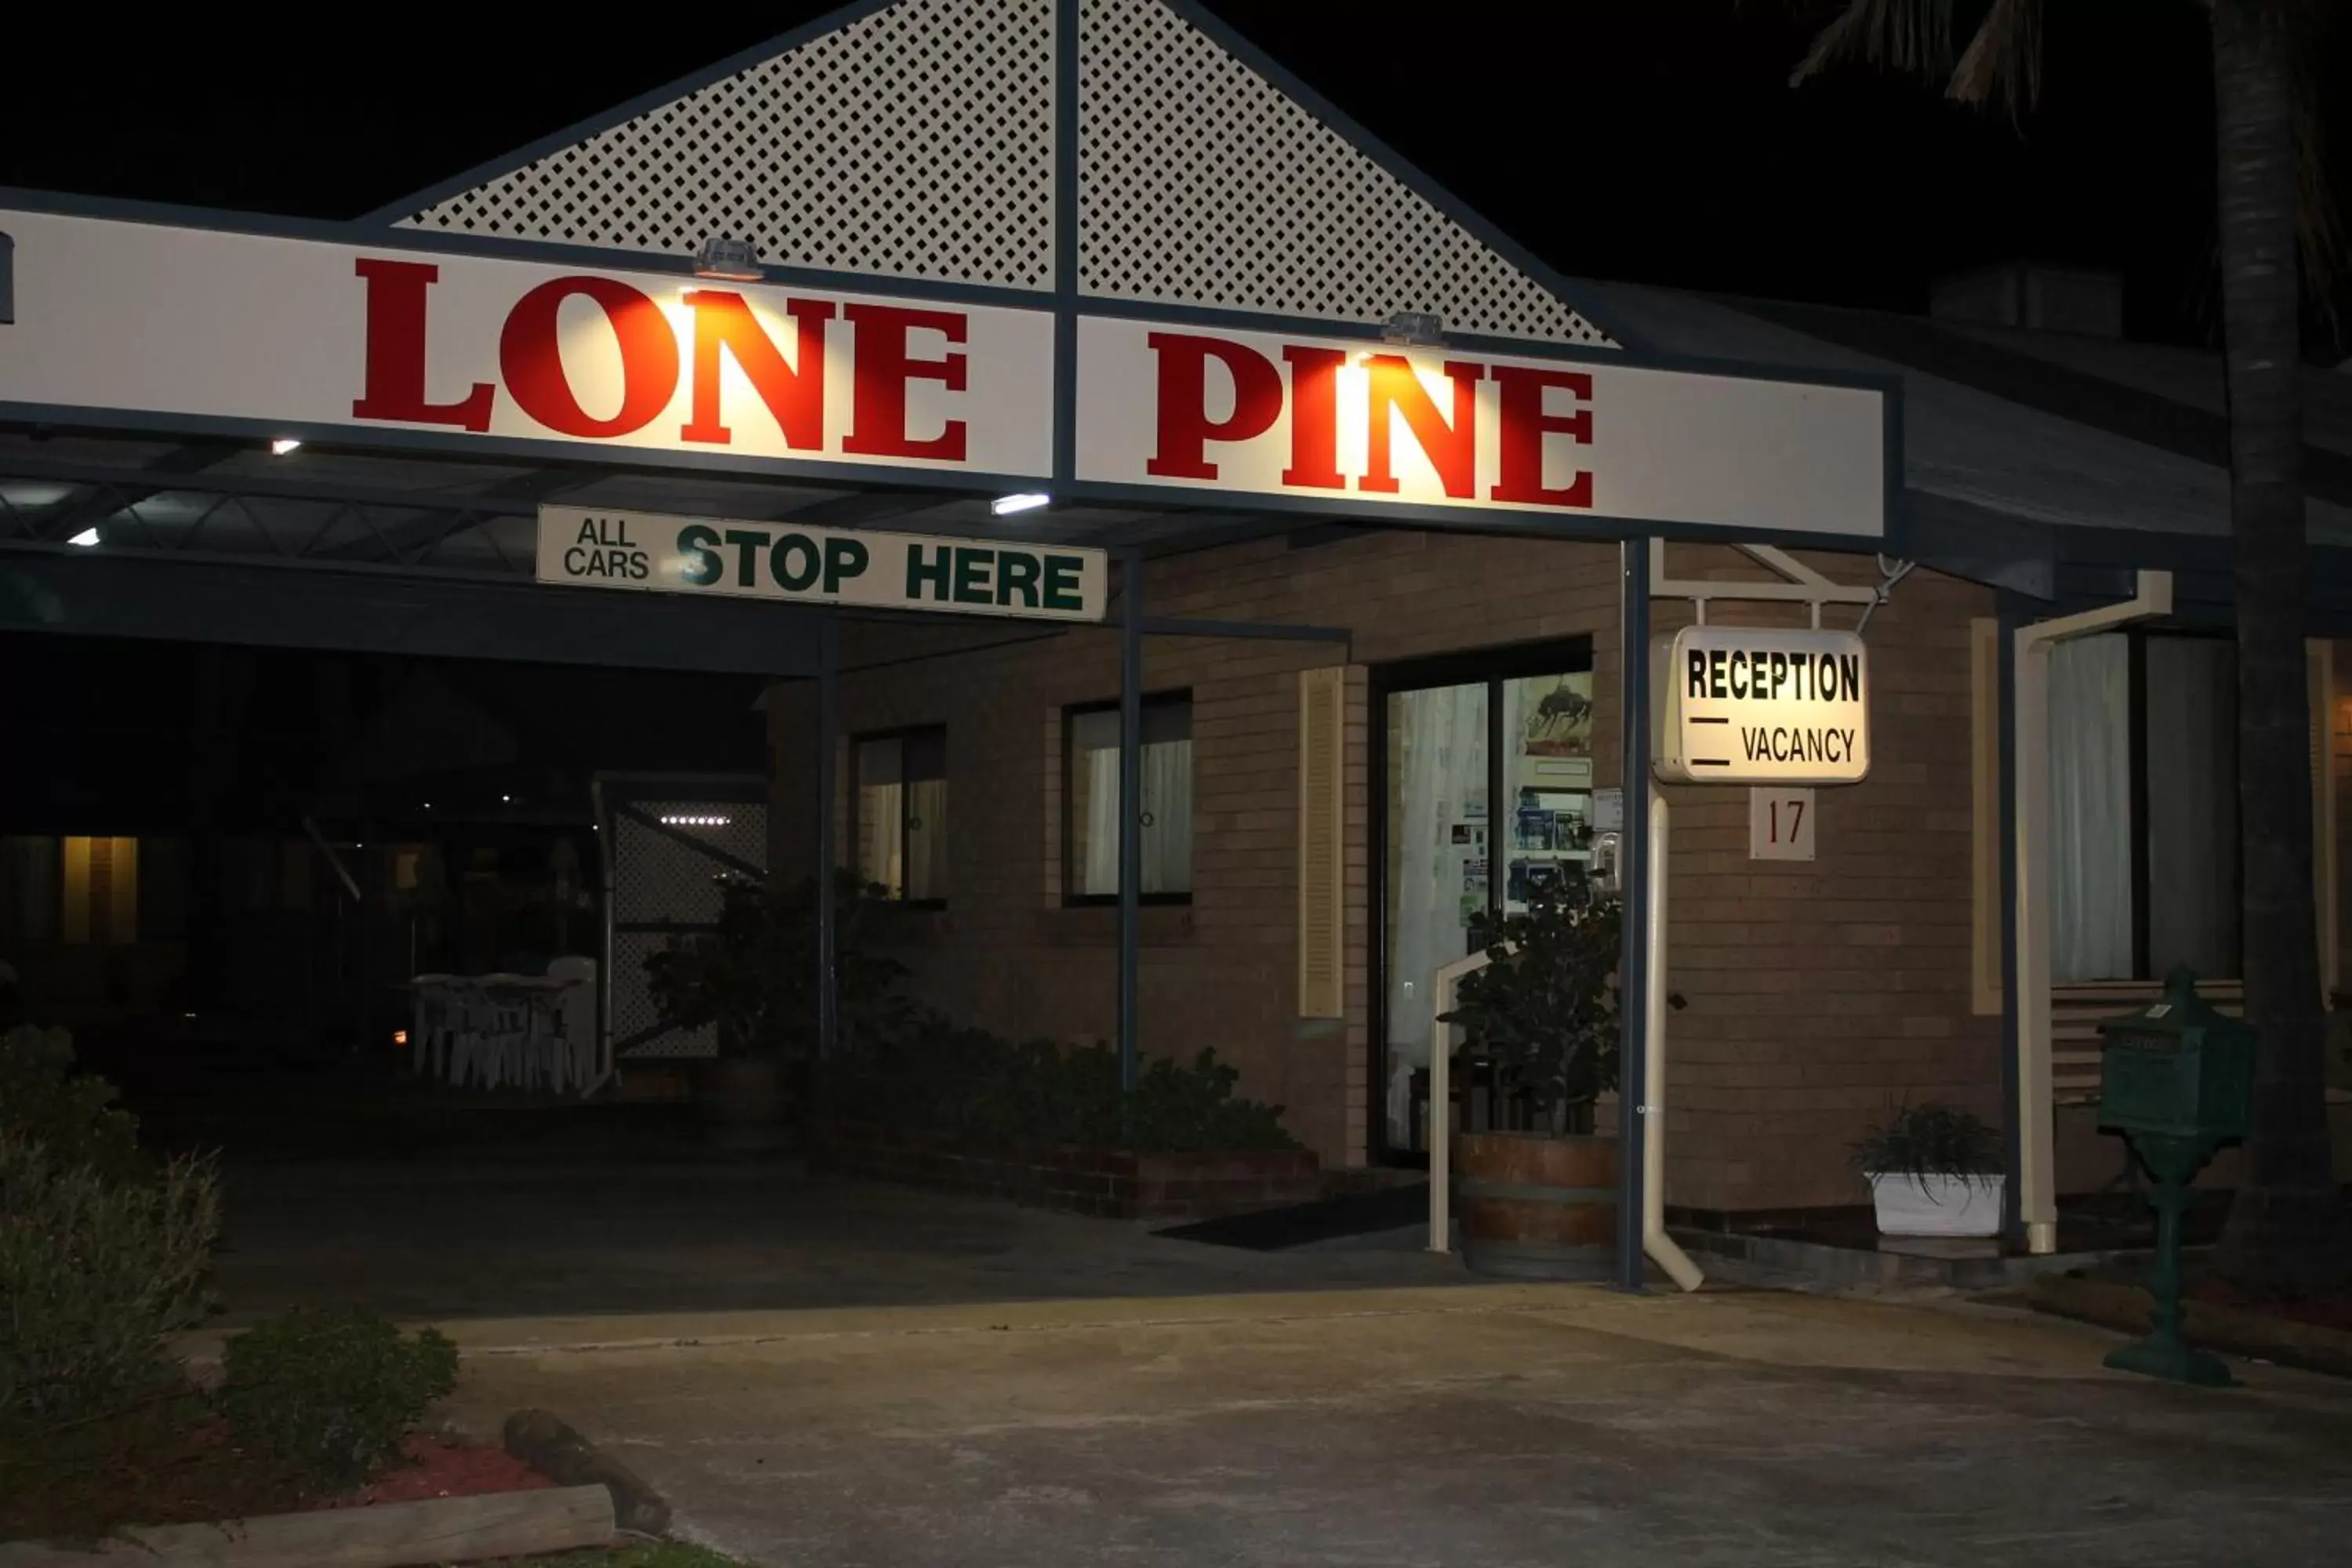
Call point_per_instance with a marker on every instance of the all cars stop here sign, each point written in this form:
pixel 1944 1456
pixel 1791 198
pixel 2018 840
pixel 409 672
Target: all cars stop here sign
pixel 610 547
pixel 1744 705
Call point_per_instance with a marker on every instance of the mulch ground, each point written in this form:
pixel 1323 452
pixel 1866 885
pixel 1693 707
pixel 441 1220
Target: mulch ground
pixel 2326 1313
pixel 434 1468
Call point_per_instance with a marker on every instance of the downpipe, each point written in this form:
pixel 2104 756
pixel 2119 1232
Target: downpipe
pixel 1661 1248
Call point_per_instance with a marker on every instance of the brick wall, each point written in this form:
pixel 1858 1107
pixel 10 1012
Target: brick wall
pixel 1819 994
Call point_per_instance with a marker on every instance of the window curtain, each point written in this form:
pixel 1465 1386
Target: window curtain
pixel 880 779
pixel 2090 810
pixel 1440 737
pixel 1168 816
pixel 927 839
pixel 1102 816
pixel 2192 806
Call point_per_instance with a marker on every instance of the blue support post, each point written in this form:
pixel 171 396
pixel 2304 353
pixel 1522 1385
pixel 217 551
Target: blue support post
pixel 828 743
pixel 2012 1222
pixel 1131 805
pixel 1633 856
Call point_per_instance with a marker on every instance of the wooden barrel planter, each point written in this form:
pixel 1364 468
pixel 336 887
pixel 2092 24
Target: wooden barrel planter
pixel 1534 1206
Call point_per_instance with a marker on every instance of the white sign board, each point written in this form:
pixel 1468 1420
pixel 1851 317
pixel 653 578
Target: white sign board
pixel 1743 705
pixel 1779 822
pixel 287 333
pixel 278 334
pixel 1338 419
pixel 602 547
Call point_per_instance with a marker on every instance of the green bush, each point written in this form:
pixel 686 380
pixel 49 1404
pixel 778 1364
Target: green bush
pixel 1929 1140
pixel 94 1273
pixel 1545 1010
pixel 71 1115
pixel 329 1395
pixel 984 1088
pixel 754 977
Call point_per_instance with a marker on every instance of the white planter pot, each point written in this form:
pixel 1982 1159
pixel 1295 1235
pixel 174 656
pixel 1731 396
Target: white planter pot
pixel 1941 1205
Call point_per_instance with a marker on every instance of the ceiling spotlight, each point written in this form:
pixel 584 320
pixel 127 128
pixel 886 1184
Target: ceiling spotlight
pixel 1028 500
pixel 86 538
pixel 283 445
pixel 733 259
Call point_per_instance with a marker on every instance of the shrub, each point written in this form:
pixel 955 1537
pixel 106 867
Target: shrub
pixel 71 1115
pixel 1545 1009
pixel 329 1395
pixel 754 977
pixel 985 1088
pixel 1929 1140
pixel 94 1272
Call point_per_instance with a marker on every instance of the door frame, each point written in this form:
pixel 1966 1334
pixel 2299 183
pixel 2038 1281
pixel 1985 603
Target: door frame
pixel 1493 666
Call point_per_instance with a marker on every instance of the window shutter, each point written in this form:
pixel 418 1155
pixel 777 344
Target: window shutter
pixel 1322 843
pixel 1984 811
pixel 2320 681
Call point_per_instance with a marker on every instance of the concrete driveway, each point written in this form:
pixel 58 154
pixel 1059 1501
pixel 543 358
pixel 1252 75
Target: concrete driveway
pixel 1481 1425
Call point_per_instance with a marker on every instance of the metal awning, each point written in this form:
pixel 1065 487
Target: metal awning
pixel 218 540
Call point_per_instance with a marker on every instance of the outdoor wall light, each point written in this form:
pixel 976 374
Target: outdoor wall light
pixel 86 538
pixel 1028 500
pixel 1418 329
pixel 283 445
pixel 734 259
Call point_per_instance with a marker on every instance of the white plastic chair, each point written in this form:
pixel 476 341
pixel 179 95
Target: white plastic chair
pixel 573 1007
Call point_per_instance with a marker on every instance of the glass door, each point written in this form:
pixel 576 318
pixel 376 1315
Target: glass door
pixel 1485 802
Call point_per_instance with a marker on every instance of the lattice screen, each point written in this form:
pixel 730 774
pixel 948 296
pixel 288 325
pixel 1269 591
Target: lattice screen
pixel 1201 182
pixel 916 141
pixel 658 881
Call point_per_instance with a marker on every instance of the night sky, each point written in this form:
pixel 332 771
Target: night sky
pixel 1648 140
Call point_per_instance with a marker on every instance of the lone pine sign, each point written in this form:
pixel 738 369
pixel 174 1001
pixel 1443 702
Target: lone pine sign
pixel 407 343
pixel 1741 705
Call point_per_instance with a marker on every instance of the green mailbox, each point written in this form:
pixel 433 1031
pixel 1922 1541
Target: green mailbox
pixel 2176 1079
pixel 2177 1068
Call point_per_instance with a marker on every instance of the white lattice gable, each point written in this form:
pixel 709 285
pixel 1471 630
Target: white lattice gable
pixel 917 140
pixel 1203 183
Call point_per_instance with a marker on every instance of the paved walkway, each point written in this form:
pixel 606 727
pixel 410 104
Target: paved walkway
pixel 1496 1426
pixel 449 1241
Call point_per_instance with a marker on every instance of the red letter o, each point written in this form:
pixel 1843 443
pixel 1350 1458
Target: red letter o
pixel 530 357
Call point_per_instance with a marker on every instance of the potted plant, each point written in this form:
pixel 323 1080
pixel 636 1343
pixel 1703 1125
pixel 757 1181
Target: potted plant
pixel 1933 1169
pixel 1543 1012
pixel 753 981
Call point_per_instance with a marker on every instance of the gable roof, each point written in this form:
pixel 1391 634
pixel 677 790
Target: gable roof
pixel 951 142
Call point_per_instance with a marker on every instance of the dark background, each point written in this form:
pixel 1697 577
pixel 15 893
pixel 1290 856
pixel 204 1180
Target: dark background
pixel 1650 140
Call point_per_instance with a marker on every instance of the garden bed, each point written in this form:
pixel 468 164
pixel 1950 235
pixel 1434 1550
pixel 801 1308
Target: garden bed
pixel 2313 1335
pixel 1104 1182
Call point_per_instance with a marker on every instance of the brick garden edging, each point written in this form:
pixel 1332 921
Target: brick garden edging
pixel 1104 1182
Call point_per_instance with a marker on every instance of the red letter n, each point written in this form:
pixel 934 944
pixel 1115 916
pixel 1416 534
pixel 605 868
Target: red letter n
pixel 1452 447
pixel 793 393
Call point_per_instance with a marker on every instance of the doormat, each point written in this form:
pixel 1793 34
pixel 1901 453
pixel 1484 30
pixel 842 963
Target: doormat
pixel 1272 1230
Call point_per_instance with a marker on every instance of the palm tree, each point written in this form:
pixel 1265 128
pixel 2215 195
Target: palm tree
pixel 2281 1227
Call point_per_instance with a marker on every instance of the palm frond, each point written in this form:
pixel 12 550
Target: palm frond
pixel 1913 36
pixel 2003 62
pixel 2319 233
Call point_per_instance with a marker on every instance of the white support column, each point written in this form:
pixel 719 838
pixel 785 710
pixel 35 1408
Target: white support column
pixel 2037 1195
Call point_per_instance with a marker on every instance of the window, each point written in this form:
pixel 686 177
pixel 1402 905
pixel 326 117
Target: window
pixel 2143 807
pixel 1090 742
pixel 901 787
